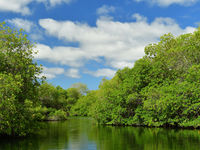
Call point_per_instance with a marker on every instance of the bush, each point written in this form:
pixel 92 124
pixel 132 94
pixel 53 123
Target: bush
pixel 57 115
pixel 82 106
pixel 18 83
pixel 162 89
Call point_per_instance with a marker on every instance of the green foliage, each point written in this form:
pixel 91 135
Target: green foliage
pixel 82 88
pixel 162 89
pixel 108 107
pixel 18 83
pixel 170 104
pixel 16 118
pixel 57 115
pixel 16 58
pixel 53 97
pixel 73 96
pixel 82 106
pixel 59 100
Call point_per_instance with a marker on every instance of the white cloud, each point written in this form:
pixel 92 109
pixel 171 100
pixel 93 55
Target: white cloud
pixel 17 6
pixel 121 64
pixel 36 36
pixel 119 44
pixel 139 18
pixel 52 3
pixel 105 72
pixel 28 26
pixel 73 73
pixel 21 23
pixel 166 3
pixel 64 55
pixel 104 10
pixel 51 73
pixel 21 6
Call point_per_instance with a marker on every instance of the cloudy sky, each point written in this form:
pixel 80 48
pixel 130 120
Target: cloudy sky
pixel 86 40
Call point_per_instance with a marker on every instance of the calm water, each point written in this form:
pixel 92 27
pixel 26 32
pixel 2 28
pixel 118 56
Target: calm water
pixel 84 134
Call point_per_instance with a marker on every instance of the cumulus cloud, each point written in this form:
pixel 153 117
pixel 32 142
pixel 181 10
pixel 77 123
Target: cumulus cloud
pixel 139 18
pixel 120 44
pixel 21 6
pixel 28 26
pixel 105 72
pixel 36 36
pixel 21 23
pixel 104 10
pixel 17 6
pixel 52 3
pixel 51 73
pixel 121 64
pixel 70 56
pixel 73 73
pixel 166 3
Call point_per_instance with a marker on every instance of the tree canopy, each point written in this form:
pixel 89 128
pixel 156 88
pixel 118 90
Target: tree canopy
pixel 162 89
pixel 18 82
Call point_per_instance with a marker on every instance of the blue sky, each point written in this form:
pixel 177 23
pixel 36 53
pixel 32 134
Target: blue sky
pixel 86 40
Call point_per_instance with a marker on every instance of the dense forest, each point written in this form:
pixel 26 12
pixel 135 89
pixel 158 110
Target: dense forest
pixel 25 98
pixel 162 89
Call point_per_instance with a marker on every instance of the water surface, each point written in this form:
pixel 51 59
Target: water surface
pixel 84 134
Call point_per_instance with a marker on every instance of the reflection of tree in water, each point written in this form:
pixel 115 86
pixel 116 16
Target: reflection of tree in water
pixel 83 134
pixel 114 138
pixel 55 136
pixel 69 135
pixel 78 135
pixel 137 138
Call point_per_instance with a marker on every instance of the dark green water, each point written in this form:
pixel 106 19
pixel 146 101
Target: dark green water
pixel 84 134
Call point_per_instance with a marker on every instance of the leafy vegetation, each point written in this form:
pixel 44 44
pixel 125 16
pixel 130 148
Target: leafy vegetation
pixel 56 102
pixel 25 99
pixel 162 89
pixel 18 83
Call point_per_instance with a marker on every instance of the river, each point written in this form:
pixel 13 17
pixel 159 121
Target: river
pixel 85 134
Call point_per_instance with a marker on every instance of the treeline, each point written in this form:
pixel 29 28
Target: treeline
pixel 56 102
pixel 26 99
pixel 162 89
pixel 18 84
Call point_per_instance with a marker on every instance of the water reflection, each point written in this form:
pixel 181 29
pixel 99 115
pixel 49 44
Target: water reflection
pixel 84 134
